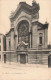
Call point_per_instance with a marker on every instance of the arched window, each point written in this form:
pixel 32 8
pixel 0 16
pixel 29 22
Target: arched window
pixel 40 39
pixel 23 31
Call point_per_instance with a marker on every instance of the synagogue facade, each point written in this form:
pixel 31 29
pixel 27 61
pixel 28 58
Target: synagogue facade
pixel 27 40
pixel 25 27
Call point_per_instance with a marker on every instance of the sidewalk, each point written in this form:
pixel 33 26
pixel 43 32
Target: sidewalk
pixel 22 65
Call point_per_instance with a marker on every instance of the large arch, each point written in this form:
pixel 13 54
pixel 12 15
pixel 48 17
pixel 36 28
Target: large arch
pixel 23 31
pixel 17 22
pixel 21 19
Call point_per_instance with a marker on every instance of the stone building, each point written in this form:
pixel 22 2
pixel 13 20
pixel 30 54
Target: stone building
pixel 2 45
pixel 27 40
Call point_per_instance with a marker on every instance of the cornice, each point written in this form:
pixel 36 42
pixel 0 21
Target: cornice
pixel 42 26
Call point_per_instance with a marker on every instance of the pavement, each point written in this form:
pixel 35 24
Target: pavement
pixel 24 72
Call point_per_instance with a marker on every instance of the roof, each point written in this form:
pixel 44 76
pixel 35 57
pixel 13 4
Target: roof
pixel 12 29
pixel 42 26
pixel 26 7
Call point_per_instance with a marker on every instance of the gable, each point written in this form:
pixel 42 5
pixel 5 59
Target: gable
pixel 23 6
pixel 40 26
pixel 22 46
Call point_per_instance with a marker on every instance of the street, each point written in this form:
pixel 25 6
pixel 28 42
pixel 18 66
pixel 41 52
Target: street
pixel 24 72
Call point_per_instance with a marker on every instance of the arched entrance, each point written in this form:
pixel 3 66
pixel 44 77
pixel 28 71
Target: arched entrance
pixel 49 61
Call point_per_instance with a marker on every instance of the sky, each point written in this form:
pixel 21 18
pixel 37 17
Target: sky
pixel 6 6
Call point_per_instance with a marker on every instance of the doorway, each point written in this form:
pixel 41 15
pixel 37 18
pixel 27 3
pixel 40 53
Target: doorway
pixel 4 58
pixel 22 58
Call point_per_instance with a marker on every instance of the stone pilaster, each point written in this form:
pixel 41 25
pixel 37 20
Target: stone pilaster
pixel 30 34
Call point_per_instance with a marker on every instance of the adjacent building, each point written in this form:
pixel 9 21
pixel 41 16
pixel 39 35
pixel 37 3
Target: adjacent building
pixel 2 45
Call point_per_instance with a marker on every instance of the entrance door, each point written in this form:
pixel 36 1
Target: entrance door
pixel 49 61
pixel 4 58
pixel 23 58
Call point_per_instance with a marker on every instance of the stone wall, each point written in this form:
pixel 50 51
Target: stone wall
pixel 12 41
pixel 1 43
pixel 38 57
pixel 34 36
pixel 44 38
pixel 32 57
pixel 7 43
pixel 12 57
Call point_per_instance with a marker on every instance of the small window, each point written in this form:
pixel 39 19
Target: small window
pixel 0 40
pixel 0 48
pixel 40 38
